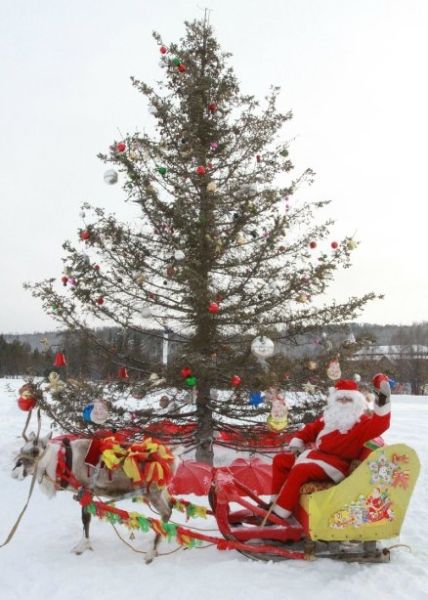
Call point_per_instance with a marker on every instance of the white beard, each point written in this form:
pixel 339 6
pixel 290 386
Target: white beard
pixel 342 417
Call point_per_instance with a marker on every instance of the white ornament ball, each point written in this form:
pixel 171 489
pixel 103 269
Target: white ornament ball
pixel 357 377
pixel 211 187
pixel 179 255
pixel 110 176
pixel 262 347
pixel 146 313
pixel 99 413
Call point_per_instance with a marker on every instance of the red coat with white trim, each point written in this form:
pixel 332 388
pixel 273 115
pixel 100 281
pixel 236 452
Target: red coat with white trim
pixel 334 451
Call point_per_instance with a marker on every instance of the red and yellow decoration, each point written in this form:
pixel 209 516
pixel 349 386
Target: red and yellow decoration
pixel 145 462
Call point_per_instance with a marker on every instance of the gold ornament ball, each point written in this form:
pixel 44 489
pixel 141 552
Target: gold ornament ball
pixel 212 187
pixel 351 244
pixel 141 279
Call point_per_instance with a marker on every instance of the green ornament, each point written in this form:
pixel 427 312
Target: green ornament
pixel 176 61
pixel 191 381
pixel 54 307
pixel 284 153
pixel 162 170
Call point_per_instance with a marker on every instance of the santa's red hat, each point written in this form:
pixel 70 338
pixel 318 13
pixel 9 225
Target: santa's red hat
pixel 346 384
pixel 348 388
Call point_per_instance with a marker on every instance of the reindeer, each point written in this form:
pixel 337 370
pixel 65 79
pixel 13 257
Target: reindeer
pixel 39 457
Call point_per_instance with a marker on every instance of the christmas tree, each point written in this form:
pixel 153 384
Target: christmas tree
pixel 224 258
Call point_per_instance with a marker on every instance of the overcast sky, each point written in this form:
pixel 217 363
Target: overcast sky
pixel 354 72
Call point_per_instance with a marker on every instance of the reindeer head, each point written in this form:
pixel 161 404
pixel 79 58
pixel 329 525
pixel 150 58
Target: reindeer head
pixel 29 455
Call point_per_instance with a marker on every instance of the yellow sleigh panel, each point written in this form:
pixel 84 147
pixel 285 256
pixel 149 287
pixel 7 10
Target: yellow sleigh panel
pixel 368 505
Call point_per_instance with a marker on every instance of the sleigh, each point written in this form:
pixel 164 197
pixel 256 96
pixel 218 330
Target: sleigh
pixel 343 521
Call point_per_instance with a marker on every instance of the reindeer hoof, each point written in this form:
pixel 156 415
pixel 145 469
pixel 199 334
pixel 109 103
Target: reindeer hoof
pixel 82 546
pixel 150 556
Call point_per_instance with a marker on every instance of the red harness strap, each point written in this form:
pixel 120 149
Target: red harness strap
pixel 64 474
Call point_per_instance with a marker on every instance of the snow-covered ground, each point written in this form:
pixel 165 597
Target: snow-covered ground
pixel 38 565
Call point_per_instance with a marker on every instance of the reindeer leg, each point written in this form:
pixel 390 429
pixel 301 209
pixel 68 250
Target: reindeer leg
pixel 163 505
pixel 85 542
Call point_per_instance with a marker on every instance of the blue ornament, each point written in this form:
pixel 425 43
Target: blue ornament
pixel 87 413
pixel 392 383
pixel 256 398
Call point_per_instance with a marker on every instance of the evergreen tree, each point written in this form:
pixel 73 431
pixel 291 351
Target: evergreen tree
pixel 223 254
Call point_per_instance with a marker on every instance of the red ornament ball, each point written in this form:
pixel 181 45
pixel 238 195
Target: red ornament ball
pixel 235 380
pixel 85 235
pixel 120 147
pixel 26 404
pixel 181 68
pixel 334 245
pixel 200 170
pixel 186 372
pixel 258 158
pixel 163 49
pixel 212 107
pixel 313 245
pixel 213 308
pixel 100 300
pixel 64 279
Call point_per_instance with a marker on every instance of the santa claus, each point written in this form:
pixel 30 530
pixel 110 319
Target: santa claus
pixel 324 449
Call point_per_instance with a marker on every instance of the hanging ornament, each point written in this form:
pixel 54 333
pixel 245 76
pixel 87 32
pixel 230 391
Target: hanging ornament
pixel 357 377
pixel 235 380
pixel 181 68
pixel 162 170
pixel 213 308
pixel 100 301
pixel 309 387
pixel 312 245
pixel 59 360
pixel 176 61
pixel 191 380
pixel 278 418
pixel 334 245
pixel 164 401
pixel 64 280
pixel 123 373
pixel 212 107
pixel 120 147
pixel 111 176
pixel 262 347
pixel 351 244
pixel 85 235
pixel 99 413
pixel 212 187
pixel 201 170
pixel 146 313
pixel 258 158
pixel 284 152
pixel 141 280
pixel 163 49
pixel 186 372
pixel 26 400
pixel 312 365
pixel 302 298
pixel 179 255
pixel 72 281
pixel 86 413
pixel 255 398
pixel 333 370
pixel 213 145
pixel 55 384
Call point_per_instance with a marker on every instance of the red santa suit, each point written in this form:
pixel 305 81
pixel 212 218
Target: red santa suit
pixel 331 450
